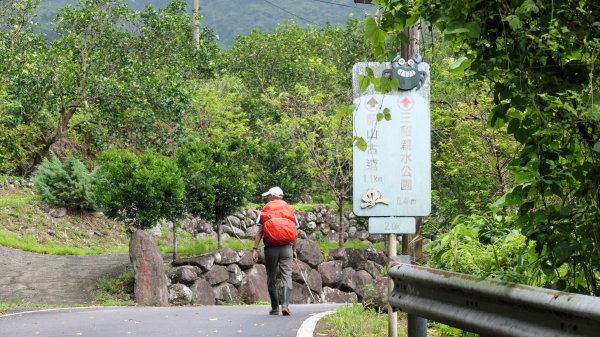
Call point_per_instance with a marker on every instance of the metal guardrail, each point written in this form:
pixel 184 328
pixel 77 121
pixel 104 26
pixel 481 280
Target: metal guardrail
pixel 491 308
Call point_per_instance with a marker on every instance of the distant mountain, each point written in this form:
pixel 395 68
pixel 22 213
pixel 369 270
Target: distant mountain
pixel 229 18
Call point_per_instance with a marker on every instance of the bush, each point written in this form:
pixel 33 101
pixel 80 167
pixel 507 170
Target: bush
pixel 69 184
pixel 116 291
pixel 480 246
pixel 216 177
pixel 139 191
pixel 18 145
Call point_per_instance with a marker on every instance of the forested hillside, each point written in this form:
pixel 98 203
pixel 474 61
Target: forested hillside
pixel 229 18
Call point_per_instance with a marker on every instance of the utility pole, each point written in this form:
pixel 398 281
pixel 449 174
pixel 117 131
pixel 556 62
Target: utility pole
pixel 408 51
pixel 417 326
pixel 196 21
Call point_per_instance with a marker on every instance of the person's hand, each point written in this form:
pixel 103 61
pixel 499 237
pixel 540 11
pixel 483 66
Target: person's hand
pixel 255 255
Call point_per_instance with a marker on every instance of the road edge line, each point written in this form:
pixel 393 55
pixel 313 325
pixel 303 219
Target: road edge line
pixel 53 309
pixel 308 326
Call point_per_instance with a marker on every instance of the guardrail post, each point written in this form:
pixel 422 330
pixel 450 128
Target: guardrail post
pixel 417 326
pixel 392 315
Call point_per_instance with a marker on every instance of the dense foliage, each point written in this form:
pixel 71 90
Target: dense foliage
pixel 69 184
pixel 216 179
pixel 540 59
pixel 139 190
pixel 113 76
pixel 305 77
pixel 469 160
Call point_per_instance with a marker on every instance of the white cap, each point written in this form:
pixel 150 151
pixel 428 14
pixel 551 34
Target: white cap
pixel 275 191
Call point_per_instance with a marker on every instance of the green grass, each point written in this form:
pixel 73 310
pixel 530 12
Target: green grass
pixel 372 324
pixel 115 291
pixel 442 330
pixel 326 246
pixel 30 244
pixel 17 200
pixel 205 245
pixel 304 207
pixel 7 307
pixel 4 308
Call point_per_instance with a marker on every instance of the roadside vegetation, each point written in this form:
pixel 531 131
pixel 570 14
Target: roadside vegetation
pixel 344 322
pixel 117 291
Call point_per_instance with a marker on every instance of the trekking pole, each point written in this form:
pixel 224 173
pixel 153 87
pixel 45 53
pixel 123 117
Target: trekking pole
pixel 305 282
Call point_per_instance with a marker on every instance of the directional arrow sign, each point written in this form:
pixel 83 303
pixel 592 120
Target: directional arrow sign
pixel 373 103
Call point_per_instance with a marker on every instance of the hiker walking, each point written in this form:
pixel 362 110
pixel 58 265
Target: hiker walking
pixel 277 227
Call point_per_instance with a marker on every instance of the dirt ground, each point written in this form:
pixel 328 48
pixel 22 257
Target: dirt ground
pixel 324 328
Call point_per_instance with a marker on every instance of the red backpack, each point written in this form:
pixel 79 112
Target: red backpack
pixel 279 223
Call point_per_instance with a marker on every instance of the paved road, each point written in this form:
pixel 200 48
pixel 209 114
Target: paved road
pixel 209 321
pixel 54 279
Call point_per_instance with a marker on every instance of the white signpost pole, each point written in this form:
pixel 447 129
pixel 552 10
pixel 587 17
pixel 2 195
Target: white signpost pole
pixel 392 177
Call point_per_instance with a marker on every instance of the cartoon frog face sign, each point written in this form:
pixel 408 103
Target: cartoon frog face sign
pixel 407 72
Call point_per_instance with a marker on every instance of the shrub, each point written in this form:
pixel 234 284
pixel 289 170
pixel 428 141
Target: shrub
pixel 116 291
pixel 216 178
pixel 18 145
pixel 68 184
pixel 479 245
pixel 139 191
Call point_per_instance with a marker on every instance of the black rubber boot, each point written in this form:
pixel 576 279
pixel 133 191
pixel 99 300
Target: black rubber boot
pixel 274 302
pixel 285 301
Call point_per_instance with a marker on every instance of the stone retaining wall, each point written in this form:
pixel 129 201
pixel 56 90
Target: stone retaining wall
pixel 320 224
pixel 230 276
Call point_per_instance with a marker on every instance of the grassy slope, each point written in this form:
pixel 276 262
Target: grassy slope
pixel 25 226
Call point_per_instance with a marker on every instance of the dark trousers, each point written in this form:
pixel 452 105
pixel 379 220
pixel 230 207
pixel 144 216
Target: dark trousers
pixel 279 260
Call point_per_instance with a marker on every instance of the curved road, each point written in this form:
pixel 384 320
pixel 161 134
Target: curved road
pixel 209 321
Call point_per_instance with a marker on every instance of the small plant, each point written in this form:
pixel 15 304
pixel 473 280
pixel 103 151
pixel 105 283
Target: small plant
pixel 66 184
pixel 117 290
pixel 326 246
pixel 4 308
pixel 448 331
pixel 370 296
pixel 355 244
pixel 372 324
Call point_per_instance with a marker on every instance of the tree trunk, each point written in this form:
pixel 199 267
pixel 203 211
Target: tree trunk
pixel 196 22
pixel 219 242
pixel 341 220
pixel 175 239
